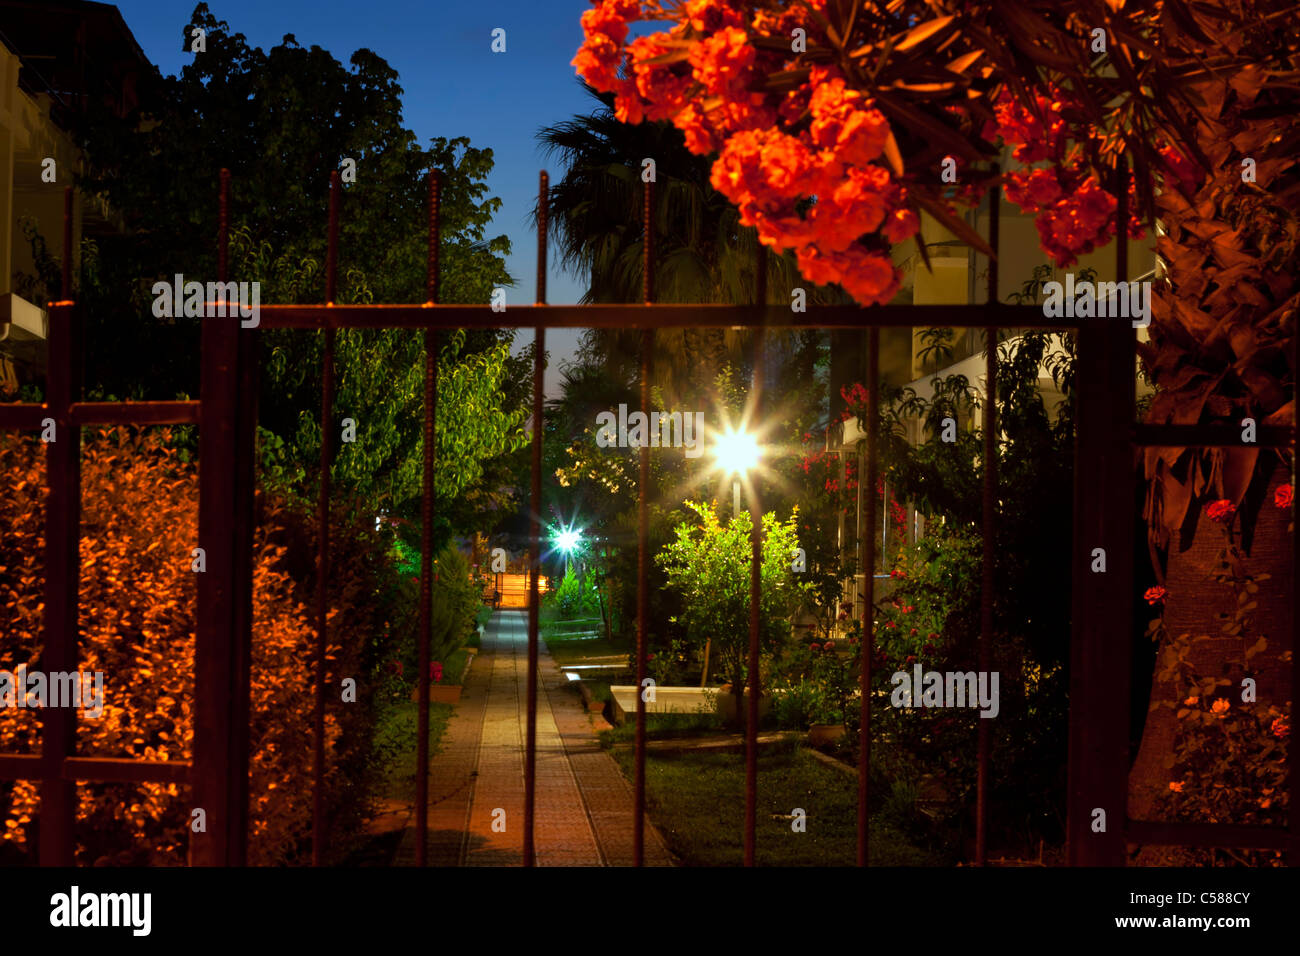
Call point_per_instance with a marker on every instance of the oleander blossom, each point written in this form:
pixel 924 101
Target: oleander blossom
pixel 1284 496
pixel 817 188
pixel 1074 213
pixel 1155 596
pixel 1221 510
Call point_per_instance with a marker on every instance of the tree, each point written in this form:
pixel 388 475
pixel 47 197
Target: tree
pixel 703 252
pixel 282 120
pixel 708 564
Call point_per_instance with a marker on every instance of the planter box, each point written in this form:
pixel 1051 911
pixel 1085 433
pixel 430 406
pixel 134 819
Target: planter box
pixel 439 694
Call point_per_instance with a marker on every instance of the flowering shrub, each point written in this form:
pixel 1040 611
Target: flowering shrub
pixel 1075 213
pixel 805 165
pixel 139 524
pixel 1229 757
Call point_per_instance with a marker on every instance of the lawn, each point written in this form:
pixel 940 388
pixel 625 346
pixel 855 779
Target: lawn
pixel 569 645
pixel 697 800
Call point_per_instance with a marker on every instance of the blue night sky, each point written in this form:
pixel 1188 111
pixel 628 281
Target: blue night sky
pixel 453 86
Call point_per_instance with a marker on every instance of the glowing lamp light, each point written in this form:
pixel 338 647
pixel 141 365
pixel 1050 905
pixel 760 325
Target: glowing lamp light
pixel 736 451
pixel 567 540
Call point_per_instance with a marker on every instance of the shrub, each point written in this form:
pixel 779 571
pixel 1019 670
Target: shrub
pixel 139 524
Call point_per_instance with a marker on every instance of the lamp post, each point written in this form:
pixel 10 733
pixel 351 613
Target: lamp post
pixel 736 452
pixel 568 541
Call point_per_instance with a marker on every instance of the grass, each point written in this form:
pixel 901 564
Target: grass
pixel 662 727
pixel 395 746
pixel 453 668
pixel 570 648
pixel 697 800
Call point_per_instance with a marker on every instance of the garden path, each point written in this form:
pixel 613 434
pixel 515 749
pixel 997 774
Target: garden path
pixel 583 809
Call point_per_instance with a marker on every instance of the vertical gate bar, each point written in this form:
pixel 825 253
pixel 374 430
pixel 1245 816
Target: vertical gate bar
pixel 1117 623
pixel 988 528
pixel 323 531
pixel 535 533
pixel 432 279
pixel 755 612
pixel 755 578
pixel 62 566
pixel 1293 752
pixel 245 468
pixel 1101 609
pixel 867 550
pixel 643 531
pixel 66 293
pixel 215 764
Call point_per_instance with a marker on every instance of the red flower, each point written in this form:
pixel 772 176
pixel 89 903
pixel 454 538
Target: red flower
pixel 830 645
pixel 1284 496
pixel 1155 595
pixel 815 646
pixel 912 632
pixel 435 671
pixel 898 573
pixel 1281 728
pixel 1221 510
pixel 911 659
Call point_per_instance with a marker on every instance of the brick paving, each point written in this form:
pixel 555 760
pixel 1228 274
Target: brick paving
pixel 583 809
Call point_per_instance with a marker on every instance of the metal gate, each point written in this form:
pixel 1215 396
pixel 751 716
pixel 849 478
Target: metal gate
pixel 226 413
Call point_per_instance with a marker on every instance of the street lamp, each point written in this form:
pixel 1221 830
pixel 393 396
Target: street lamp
pixel 736 453
pixel 568 540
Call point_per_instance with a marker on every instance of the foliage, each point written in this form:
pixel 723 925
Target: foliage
pixel 139 513
pixel 708 564
pixel 1229 757
pixel 281 121
pixel 569 597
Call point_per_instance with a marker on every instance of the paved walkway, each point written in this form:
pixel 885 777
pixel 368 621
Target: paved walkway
pixel 583 809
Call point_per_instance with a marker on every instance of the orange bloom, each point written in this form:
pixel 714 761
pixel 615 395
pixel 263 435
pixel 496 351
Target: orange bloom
pixel 1220 707
pixel 722 62
pixel 1176 786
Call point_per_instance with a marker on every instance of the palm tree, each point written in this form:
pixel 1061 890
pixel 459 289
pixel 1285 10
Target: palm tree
pixel 703 255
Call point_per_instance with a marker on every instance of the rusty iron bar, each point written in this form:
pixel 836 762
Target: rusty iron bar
pixel 66 294
pixel 988 531
pixel 432 280
pixel 535 532
pixel 1101 603
pixel 755 617
pixel 318 835
pixel 867 550
pixel 245 469
pixel 1292 760
pixel 643 532
pixel 220 765
pixel 1205 835
pixel 62 564
pixel 97 769
pixel 755 578
pixel 665 316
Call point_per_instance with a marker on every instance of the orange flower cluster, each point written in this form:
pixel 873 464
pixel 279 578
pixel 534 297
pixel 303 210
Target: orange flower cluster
pixel 815 188
pixel 1075 213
